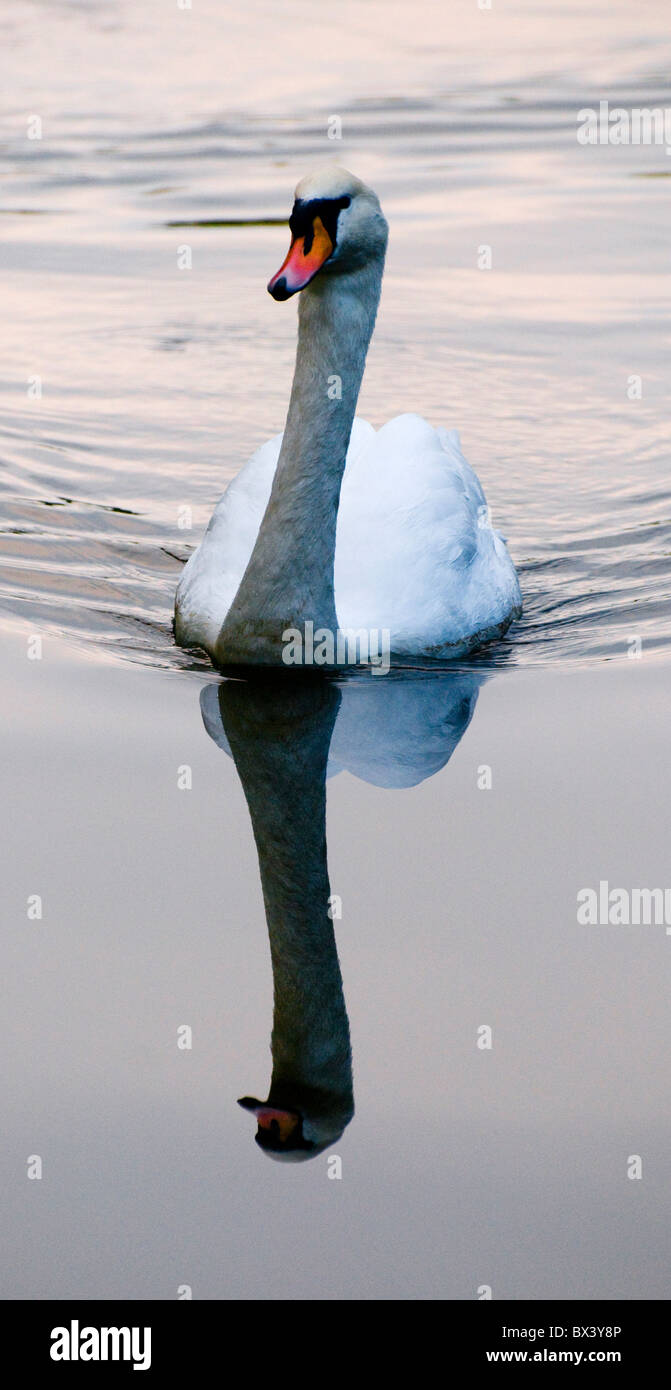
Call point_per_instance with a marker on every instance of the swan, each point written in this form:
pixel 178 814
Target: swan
pixel 333 523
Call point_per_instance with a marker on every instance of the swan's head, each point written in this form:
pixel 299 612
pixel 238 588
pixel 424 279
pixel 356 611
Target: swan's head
pixel 294 1134
pixel 336 225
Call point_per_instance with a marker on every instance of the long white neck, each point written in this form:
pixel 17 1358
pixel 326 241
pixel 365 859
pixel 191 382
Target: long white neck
pixel 289 577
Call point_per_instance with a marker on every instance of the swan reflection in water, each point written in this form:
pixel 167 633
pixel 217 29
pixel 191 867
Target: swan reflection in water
pixel 287 734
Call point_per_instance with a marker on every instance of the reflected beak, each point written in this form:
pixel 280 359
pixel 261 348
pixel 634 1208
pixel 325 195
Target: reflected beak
pixel 306 256
pixel 280 1122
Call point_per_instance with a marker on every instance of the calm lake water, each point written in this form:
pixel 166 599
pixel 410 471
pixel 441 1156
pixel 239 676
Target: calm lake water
pixel 131 391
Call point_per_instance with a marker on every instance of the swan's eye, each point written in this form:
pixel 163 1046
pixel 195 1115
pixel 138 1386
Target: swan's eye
pixel 302 220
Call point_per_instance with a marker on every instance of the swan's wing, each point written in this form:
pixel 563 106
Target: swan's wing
pixel 211 576
pixel 415 551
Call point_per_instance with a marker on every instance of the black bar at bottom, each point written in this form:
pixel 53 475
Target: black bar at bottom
pixel 164 1339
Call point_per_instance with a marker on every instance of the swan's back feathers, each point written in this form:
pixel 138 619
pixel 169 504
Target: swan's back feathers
pixel 414 537
pixel 415 552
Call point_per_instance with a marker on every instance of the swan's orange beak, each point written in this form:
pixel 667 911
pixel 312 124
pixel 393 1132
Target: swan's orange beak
pixel 301 264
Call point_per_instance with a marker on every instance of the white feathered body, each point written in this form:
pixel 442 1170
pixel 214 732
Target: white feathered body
pixel 415 551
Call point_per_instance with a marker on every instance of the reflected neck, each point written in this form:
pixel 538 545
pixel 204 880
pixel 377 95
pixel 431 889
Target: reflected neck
pixel 280 742
pixel 289 578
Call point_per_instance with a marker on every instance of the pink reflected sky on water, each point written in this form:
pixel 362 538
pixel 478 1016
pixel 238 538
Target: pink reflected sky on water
pixel 120 59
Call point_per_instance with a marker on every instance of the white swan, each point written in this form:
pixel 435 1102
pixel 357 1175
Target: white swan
pixel 332 523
